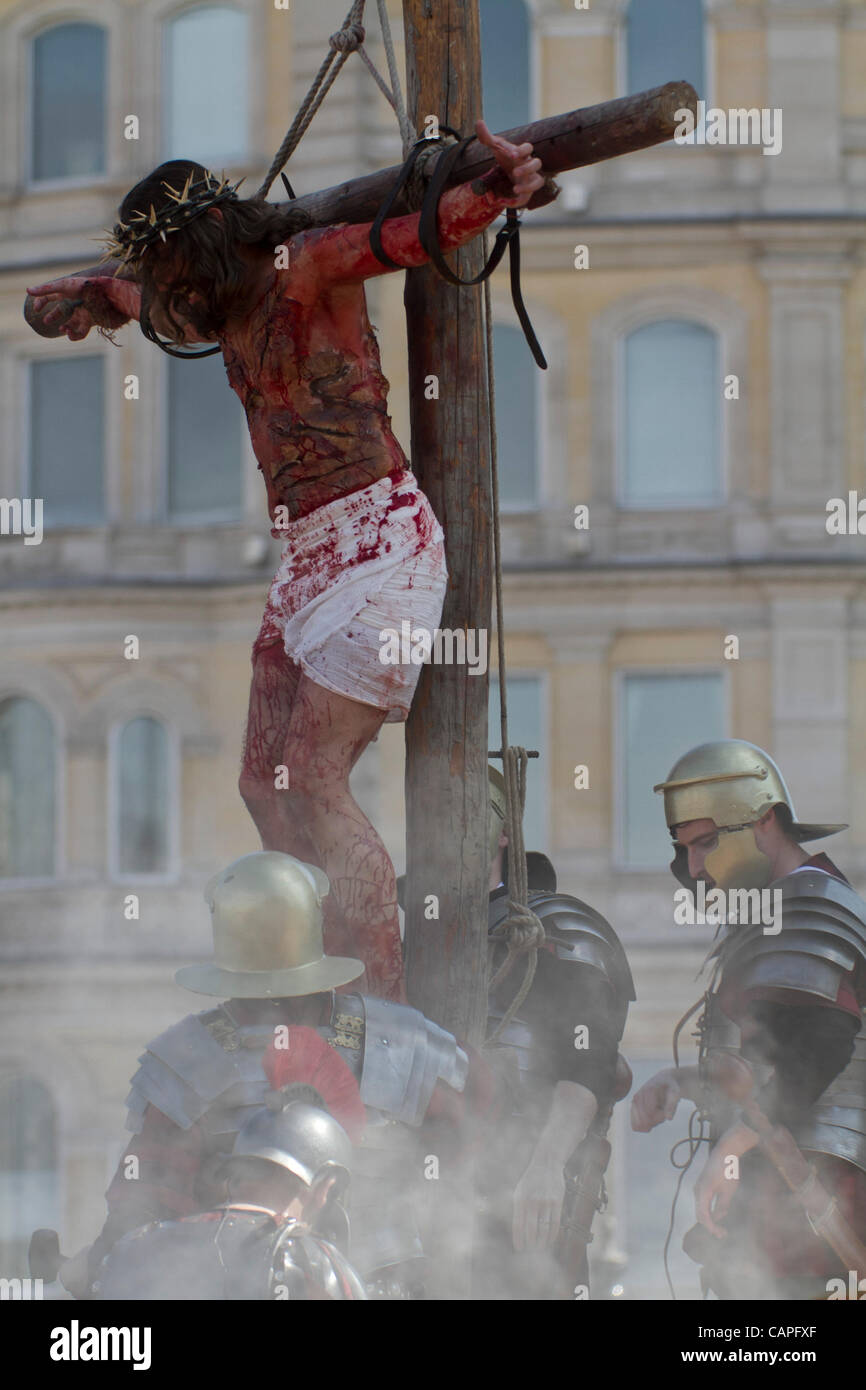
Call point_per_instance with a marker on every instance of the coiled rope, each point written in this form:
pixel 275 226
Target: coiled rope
pixel 348 39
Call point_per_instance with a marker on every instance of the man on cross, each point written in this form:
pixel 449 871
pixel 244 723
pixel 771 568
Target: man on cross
pixel 363 550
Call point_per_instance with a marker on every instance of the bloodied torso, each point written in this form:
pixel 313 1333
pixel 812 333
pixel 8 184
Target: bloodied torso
pixel 306 366
pixel 305 362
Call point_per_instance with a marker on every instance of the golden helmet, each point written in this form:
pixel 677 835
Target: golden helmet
pixel 267 931
pixel 497 813
pixel 733 783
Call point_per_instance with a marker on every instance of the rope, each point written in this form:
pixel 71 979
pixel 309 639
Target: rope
pixel 522 929
pixel 348 39
pixel 407 131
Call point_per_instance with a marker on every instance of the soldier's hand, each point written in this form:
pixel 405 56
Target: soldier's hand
pixel 74 1274
pixel 538 1205
pixel 656 1101
pixel 714 1191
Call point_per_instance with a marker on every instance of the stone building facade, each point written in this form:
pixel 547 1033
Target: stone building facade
pixel 704 402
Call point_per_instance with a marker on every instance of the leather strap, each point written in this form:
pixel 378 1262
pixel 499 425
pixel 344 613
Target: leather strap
pixel 428 234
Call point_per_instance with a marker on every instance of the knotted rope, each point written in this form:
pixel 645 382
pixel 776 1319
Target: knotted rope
pixel 348 39
pixel 522 930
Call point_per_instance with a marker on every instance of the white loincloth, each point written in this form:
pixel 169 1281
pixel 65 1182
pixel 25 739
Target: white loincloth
pixel 350 570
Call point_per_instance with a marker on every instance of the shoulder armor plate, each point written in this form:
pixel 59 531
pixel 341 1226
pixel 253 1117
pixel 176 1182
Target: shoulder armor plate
pixel 578 933
pixel 183 1071
pixel 823 938
pixel 836 1123
pixel 405 1054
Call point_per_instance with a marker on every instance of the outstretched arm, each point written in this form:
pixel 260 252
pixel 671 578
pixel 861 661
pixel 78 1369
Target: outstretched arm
pixel 344 253
pixel 72 305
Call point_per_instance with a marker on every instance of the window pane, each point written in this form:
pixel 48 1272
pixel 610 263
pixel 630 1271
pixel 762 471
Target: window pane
pixel 142 770
pixel 206 85
pixel 28 1169
pixel 665 43
pixel 205 424
pixel 516 417
pixel 672 416
pixel 66 440
pixel 662 717
pixel 505 63
pixel 68 111
pixel 525 730
pixel 27 792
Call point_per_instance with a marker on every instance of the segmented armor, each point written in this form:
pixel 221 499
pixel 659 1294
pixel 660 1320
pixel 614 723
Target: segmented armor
pixel 575 935
pixel 230 1253
pixel 822 943
pixel 206 1070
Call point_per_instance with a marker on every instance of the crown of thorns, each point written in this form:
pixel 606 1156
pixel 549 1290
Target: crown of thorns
pixel 129 240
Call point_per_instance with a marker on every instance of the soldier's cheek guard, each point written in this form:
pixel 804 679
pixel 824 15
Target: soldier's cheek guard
pixel 680 868
pixel 736 862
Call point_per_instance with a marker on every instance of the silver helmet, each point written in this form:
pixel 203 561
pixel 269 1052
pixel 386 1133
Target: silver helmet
pixel 301 1138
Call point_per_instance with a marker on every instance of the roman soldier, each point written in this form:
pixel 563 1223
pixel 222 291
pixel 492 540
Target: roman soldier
pixel 544 1178
pixel 288 1171
pixel 199 1082
pixel 786 1000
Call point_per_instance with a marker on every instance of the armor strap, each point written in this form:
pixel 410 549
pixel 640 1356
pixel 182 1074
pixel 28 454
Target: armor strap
pixel 348 1022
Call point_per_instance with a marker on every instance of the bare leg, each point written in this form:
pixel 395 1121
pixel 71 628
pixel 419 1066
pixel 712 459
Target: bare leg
pixel 272 694
pixel 326 735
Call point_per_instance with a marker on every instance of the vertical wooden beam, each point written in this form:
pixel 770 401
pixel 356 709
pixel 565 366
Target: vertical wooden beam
pixel 446 735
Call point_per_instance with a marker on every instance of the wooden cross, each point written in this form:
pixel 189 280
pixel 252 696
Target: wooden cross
pixel 446 734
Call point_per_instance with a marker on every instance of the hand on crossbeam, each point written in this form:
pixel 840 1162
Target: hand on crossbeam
pixel 524 171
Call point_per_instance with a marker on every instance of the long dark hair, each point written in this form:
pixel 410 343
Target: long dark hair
pixel 205 258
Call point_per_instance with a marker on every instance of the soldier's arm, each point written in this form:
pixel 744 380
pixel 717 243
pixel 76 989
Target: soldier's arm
pixel 155 1180
pixel 658 1098
pixel 807 1045
pixel 539 1193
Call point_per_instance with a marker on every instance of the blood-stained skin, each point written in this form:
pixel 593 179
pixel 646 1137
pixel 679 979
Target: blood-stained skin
pixel 306 365
pixel 296 723
pixel 301 355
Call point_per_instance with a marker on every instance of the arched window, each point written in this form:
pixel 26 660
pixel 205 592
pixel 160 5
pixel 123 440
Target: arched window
pixel 67 440
pixel 207 85
pixel 505 63
pixel 27 790
pixel 205 442
pixel 29 1189
pixel 665 43
pixel 68 102
pixel 143 798
pixel 516 418
pixel 671 454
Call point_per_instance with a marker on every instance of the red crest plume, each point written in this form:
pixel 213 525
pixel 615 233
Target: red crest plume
pixel 308 1059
